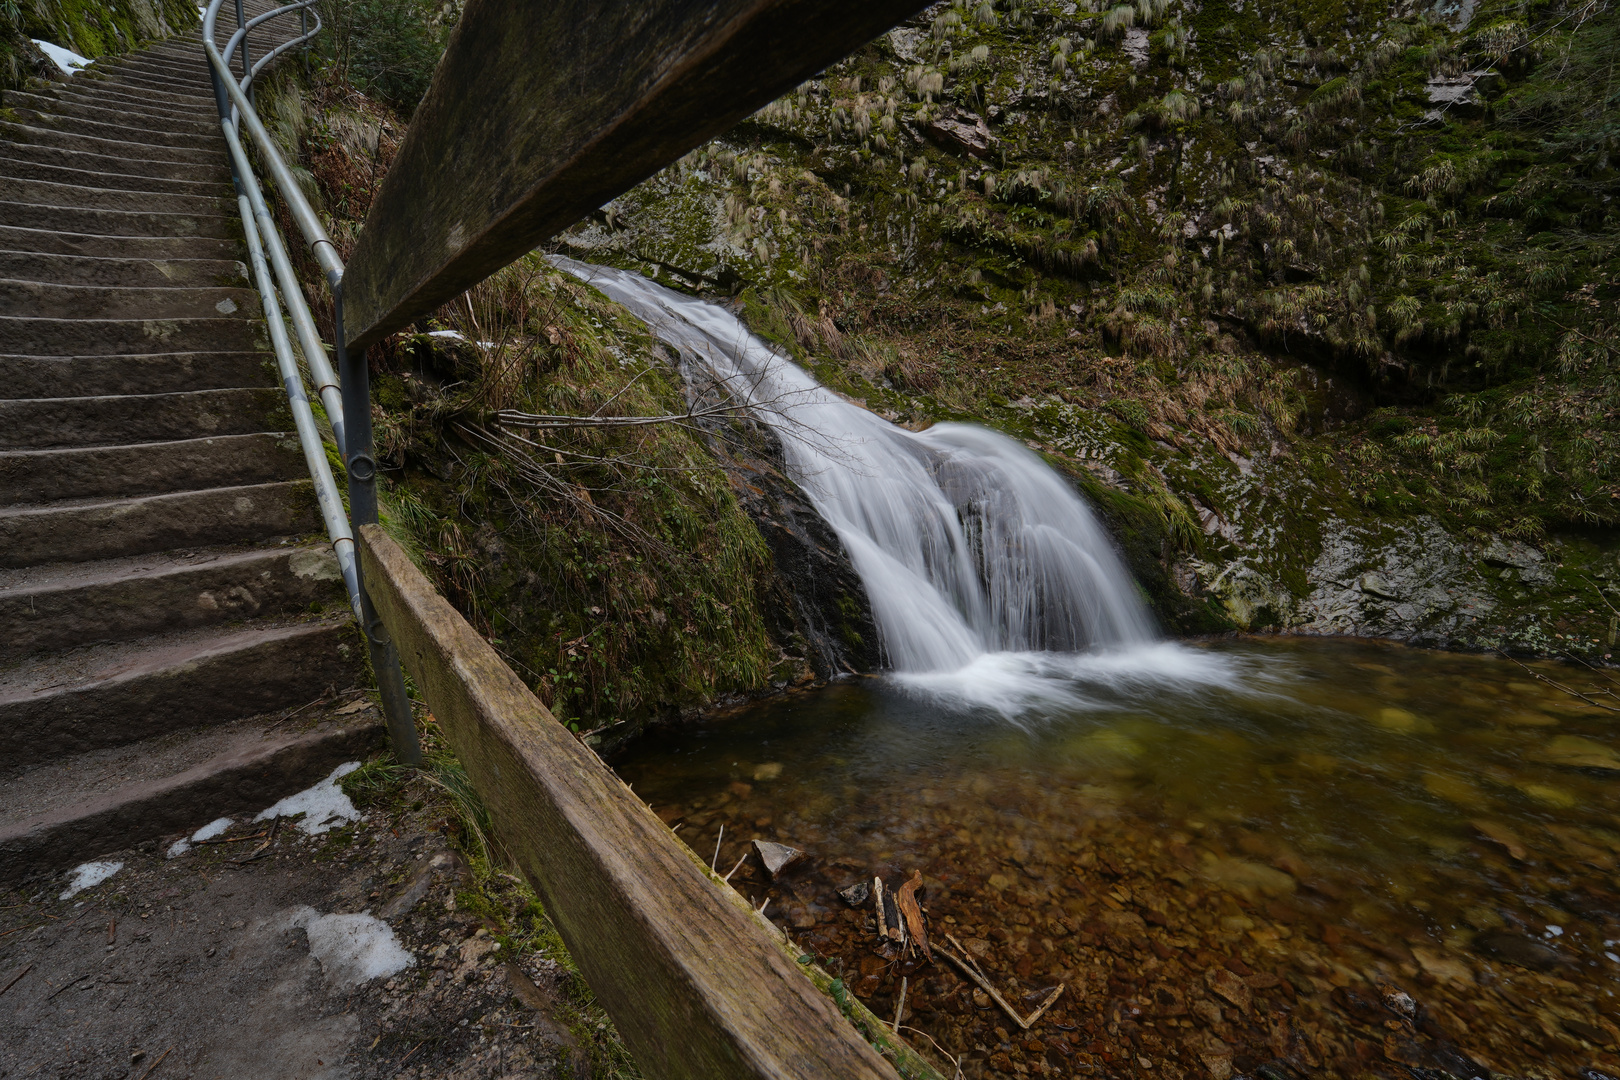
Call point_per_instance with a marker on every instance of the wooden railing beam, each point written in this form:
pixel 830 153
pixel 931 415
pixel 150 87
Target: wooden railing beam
pixel 541 112
pixel 695 986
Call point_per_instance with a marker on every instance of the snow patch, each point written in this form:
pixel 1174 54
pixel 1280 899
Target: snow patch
pixel 323 806
pixel 89 874
pixel 66 59
pixel 207 832
pixel 352 949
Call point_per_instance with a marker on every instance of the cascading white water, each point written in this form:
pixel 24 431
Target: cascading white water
pixel 968 544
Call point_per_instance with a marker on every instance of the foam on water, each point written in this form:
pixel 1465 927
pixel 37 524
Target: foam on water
pixel 974 553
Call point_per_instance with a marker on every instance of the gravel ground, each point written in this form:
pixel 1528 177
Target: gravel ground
pixel 366 951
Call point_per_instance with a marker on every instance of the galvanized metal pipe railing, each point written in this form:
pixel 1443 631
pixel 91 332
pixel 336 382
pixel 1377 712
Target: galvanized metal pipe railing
pixel 347 402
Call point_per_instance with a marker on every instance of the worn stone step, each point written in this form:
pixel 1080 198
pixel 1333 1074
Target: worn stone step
pixel 127 273
pixel 155 373
pixel 137 104
pixel 108 528
pixel 162 96
pixel 57 174
pixel 170 785
pixel 91 245
pixel 156 138
pixel 124 149
pixel 79 219
pixel 66 155
pixel 40 423
pixel 117 113
pixel 178 90
pixel 89 472
pixel 113 337
pixel 54 608
pixel 47 300
pixel 186 66
pixel 111 695
pixel 55 193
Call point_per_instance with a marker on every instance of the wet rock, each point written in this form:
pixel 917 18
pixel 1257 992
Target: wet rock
pixel 857 894
pixel 776 857
pixel 1574 752
pixel 1521 951
pixel 1230 987
pixel 961 132
pixel 1375 585
pixel 1361 1007
pixel 1593 1034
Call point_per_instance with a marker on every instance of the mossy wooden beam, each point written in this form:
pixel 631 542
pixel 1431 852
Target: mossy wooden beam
pixel 697 988
pixel 541 112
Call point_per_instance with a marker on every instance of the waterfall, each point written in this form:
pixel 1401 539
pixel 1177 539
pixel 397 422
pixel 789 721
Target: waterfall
pixel 968 544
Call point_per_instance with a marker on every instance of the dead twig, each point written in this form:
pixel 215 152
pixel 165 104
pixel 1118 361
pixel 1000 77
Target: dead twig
pixel 900 1006
pixel 26 968
pixel 232 839
pixel 76 979
pixel 979 977
pixel 734 869
pixel 156 1063
pixel 717 841
pixel 1560 686
pixel 261 851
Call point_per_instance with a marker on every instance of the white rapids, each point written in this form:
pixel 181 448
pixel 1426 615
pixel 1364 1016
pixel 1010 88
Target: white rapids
pixel 972 550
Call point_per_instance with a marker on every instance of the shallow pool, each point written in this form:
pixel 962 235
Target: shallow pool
pixel 1271 854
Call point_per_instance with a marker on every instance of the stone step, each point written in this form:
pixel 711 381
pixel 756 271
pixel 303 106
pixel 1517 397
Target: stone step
pixel 46 300
pixel 91 245
pixel 140 524
pixel 80 219
pixel 55 193
pixel 72 810
pixel 117 113
pixel 126 273
pixel 65 154
pixel 101 696
pixel 197 94
pixel 155 373
pixel 138 104
pixel 113 337
pixel 40 423
pixel 34 134
pixel 35 477
pixel 155 138
pixel 52 608
pixel 33 170
pixel 190 67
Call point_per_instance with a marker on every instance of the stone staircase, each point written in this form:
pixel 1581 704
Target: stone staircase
pixel 170 613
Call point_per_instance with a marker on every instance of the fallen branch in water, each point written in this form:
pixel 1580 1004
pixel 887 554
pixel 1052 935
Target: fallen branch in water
pixel 983 980
pixel 1560 686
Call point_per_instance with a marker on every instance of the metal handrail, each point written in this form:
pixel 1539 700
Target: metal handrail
pixel 347 402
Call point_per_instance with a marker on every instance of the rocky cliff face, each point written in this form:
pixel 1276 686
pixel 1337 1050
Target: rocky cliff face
pixel 1320 298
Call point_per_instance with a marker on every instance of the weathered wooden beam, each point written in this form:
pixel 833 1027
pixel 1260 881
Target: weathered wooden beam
pixel 691 978
pixel 540 112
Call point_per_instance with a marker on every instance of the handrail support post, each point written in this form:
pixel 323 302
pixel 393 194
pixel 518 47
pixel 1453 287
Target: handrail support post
pixel 360 463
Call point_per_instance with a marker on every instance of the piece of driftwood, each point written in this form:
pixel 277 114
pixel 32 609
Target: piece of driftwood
pixel 539 113
pixel 689 977
pixel 972 971
pixel 911 912
pixel 881 920
pixel 776 857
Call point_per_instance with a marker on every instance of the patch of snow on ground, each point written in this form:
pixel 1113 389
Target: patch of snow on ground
pixel 207 832
pixel 90 874
pixel 323 805
pixel 66 59
pixel 352 949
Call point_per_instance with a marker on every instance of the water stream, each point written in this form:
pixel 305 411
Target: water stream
pixel 973 551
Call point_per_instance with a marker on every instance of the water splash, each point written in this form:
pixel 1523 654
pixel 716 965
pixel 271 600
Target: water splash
pixel 968 544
